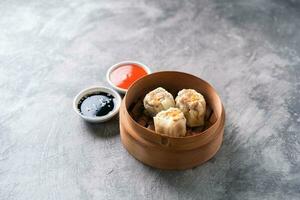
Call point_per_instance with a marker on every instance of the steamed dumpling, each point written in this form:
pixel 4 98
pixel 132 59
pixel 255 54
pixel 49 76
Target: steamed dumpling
pixel 193 106
pixel 170 122
pixel 158 100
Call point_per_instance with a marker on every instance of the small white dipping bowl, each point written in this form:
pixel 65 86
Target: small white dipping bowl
pixel 115 66
pixel 90 91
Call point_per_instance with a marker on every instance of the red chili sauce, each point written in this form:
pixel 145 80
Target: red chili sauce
pixel 124 75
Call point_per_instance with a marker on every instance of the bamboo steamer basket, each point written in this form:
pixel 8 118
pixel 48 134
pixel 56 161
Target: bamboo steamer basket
pixel 166 152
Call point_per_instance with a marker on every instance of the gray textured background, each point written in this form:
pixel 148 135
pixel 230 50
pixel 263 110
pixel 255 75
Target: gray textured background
pixel 50 50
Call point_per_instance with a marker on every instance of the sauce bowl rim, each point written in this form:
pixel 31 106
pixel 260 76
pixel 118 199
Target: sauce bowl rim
pixel 91 90
pixel 115 66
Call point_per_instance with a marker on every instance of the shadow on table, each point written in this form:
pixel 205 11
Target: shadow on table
pixel 197 180
pixel 104 130
pixel 189 183
pixel 235 169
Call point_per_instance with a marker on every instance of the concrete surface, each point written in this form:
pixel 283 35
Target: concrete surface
pixel 50 50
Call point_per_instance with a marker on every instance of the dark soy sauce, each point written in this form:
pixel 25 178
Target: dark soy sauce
pixel 97 104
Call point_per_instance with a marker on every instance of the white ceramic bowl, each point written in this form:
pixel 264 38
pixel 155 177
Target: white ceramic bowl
pixel 112 68
pixel 92 90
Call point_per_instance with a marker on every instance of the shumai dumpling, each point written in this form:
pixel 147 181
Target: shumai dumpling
pixel 193 106
pixel 170 122
pixel 158 100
